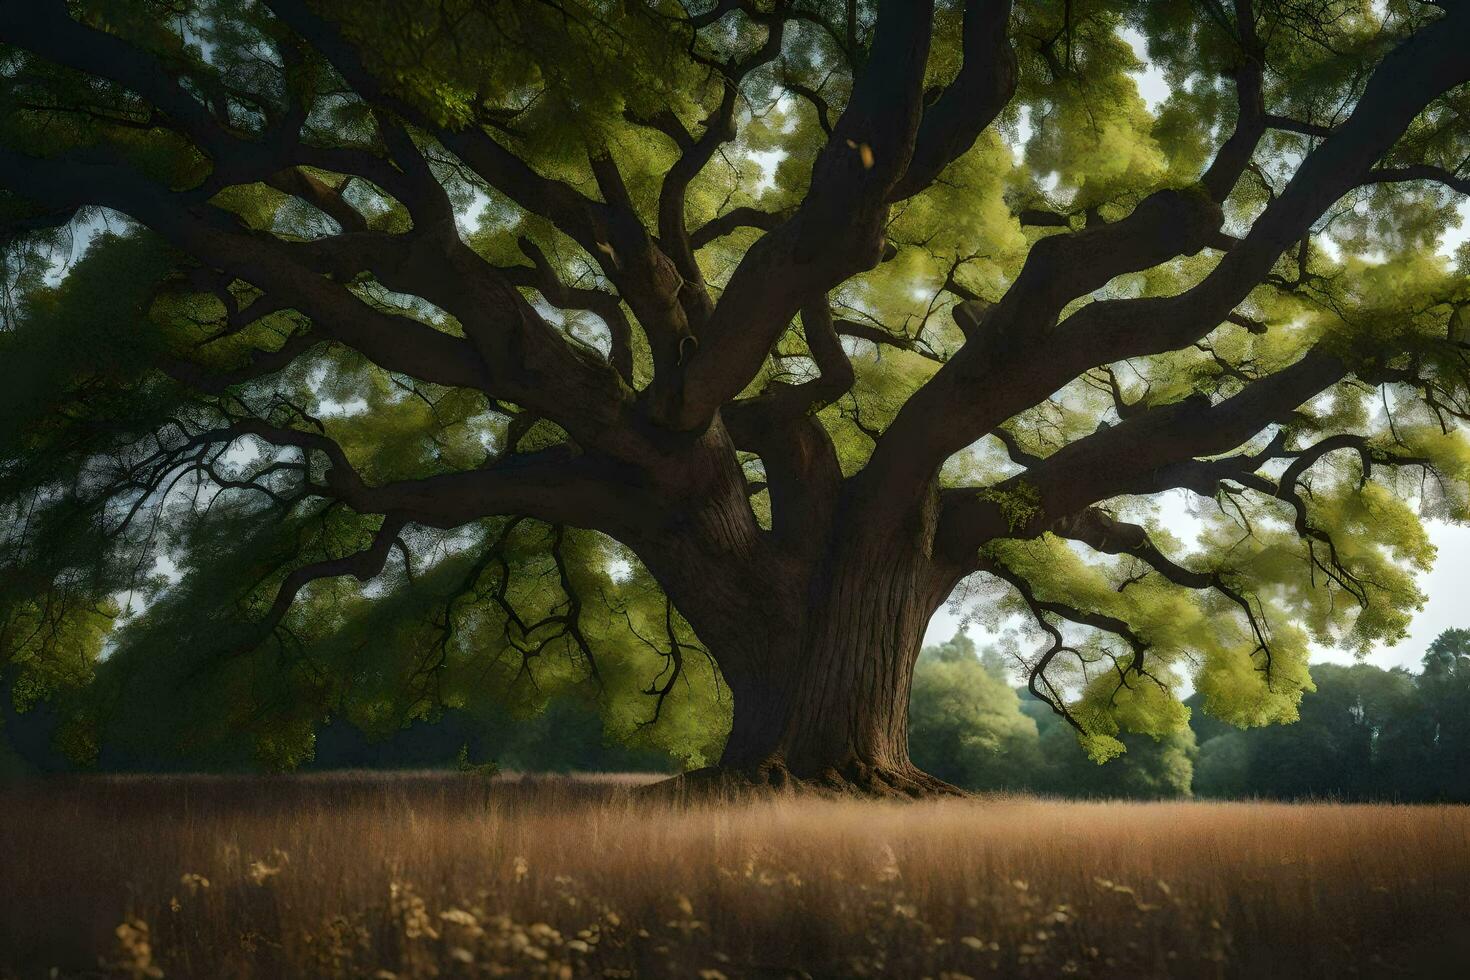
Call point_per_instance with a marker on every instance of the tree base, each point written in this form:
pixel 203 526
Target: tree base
pixel 854 780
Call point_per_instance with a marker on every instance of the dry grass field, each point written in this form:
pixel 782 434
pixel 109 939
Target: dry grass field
pixel 448 876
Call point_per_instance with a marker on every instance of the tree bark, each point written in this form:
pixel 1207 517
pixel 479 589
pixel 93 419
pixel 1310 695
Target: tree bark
pixel 821 694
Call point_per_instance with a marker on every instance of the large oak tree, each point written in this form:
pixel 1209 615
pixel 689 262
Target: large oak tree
pixel 819 309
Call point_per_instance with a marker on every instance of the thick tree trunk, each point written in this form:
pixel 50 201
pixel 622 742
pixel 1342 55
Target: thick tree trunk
pixel 815 625
pixel 827 704
pixel 839 719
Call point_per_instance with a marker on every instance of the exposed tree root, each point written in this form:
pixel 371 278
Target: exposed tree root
pixel 853 780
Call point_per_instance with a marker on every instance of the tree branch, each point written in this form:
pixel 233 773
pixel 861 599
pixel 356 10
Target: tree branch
pixel 1419 171
pixel 741 217
pixel 837 231
pixel 1021 345
pixel 983 87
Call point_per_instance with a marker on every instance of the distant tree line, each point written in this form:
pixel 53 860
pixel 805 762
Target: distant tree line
pixel 566 735
pixel 1365 733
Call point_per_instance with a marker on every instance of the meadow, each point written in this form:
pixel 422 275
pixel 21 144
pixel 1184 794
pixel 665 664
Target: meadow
pixel 449 875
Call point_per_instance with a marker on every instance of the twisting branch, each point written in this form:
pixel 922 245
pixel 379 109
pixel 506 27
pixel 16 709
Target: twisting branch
pixel 320 195
pixel 985 83
pixel 1036 676
pixel 741 217
pixel 606 305
pixel 719 129
pixel 363 565
pixel 780 425
pixel 571 620
pixel 1439 175
pixel 662 684
pixel 1297 126
pixel 837 231
pixel 814 96
pixel 1025 355
pixel 883 337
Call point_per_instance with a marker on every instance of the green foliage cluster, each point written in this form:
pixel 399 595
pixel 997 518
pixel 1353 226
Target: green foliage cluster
pixel 382 663
pixel 129 590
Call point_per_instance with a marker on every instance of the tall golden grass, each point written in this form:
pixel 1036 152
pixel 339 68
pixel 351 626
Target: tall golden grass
pixel 432 875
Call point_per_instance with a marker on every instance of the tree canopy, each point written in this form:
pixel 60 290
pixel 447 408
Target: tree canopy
pixel 454 352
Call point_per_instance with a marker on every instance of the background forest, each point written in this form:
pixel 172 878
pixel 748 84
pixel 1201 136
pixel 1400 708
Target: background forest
pixel 1365 733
